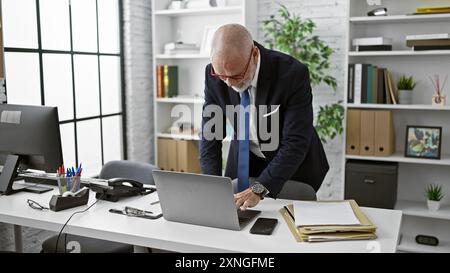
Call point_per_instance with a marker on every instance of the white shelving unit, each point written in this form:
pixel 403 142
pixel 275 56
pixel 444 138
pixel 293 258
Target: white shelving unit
pixel 188 25
pixel 400 19
pixel 398 157
pixel 408 244
pixel 414 174
pixel 425 107
pixel 420 209
pixel 398 53
pixel 200 11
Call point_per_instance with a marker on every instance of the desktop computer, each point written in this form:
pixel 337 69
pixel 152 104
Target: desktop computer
pixel 29 139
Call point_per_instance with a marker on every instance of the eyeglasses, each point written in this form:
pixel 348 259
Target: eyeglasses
pixel 136 212
pixel 36 205
pixel 235 77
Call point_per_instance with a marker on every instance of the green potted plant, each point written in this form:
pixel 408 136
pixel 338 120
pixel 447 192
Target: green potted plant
pixel 405 85
pixel 434 196
pixel 291 34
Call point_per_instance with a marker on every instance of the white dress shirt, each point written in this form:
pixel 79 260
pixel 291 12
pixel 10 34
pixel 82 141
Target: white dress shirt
pixel 254 143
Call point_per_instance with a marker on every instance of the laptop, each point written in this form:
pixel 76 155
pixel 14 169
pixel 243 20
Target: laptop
pixel 198 199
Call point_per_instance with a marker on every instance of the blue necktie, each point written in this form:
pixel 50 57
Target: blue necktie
pixel 244 143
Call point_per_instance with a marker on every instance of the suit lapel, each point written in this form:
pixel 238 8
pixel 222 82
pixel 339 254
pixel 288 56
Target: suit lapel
pixel 264 81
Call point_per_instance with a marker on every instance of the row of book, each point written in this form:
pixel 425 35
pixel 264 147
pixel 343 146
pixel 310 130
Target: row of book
pixel 370 84
pixel 166 81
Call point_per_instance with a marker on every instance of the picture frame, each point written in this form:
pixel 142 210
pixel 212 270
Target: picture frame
pixel 423 142
pixel 208 35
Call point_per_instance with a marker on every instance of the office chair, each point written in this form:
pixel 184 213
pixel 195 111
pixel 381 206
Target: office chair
pixel 295 190
pixel 141 172
pixel 292 190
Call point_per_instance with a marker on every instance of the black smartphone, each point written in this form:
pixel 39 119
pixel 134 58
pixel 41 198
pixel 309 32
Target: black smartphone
pixel 264 226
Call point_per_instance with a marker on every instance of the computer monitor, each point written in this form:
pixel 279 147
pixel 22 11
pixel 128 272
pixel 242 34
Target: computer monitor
pixel 29 139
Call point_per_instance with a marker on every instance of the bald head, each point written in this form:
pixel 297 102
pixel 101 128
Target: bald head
pixel 232 41
pixel 234 56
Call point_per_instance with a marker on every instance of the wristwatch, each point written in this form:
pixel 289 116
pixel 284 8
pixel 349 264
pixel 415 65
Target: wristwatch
pixel 260 190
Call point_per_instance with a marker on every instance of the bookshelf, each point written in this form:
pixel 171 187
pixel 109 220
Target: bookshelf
pixel 413 173
pixel 188 26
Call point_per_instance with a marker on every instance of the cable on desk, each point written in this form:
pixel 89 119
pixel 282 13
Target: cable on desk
pixel 60 232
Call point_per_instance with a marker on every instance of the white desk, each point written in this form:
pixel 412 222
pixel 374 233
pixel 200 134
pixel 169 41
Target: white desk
pixel 162 234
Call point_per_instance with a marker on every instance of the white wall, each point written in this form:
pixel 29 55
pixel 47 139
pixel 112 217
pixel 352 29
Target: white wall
pixel 138 79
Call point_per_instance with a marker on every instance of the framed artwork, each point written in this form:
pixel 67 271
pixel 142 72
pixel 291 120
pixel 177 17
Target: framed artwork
pixel 423 142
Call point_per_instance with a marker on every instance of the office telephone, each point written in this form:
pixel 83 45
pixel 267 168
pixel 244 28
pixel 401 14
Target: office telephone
pixel 118 188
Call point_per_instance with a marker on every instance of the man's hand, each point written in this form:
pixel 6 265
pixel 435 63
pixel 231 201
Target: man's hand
pixel 246 199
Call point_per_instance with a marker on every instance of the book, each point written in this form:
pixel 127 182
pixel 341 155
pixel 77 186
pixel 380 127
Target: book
pixel 160 81
pixel 351 79
pixel 374 48
pixel 374 98
pixel 391 86
pixel 364 74
pixel 431 10
pixel 387 94
pixel 428 36
pixel 428 42
pixel 173 81
pixel 357 84
pixel 369 84
pixel 166 81
pixel 431 47
pixel 380 88
pixel 371 41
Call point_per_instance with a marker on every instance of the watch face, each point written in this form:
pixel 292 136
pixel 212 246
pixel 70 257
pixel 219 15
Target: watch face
pixel 258 188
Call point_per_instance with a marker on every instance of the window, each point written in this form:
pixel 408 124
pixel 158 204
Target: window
pixel 67 53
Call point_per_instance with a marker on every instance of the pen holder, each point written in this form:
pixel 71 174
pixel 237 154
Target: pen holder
pixel 68 184
pixel 58 203
pixel 62 184
pixel 75 183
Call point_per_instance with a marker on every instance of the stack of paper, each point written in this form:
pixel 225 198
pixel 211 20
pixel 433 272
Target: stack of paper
pixel 328 221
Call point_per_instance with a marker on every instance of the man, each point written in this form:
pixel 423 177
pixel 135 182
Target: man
pixel 244 73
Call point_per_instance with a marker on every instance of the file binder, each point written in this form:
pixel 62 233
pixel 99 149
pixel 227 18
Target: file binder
pixel 367 133
pixel 172 159
pixel 384 133
pixel 163 162
pixel 188 156
pixel 353 132
pixel 365 231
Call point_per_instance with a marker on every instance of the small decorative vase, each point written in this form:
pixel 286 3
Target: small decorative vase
pixel 438 100
pixel 405 96
pixel 433 205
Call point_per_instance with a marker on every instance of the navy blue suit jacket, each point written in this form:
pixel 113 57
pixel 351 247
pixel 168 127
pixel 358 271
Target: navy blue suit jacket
pixel 282 81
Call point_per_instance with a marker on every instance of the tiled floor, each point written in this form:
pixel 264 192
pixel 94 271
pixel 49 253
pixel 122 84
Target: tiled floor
pixel 32 238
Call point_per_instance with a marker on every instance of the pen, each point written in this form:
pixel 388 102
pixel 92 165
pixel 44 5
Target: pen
pixel 154 203
pixel 289 212
pixel 68 178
